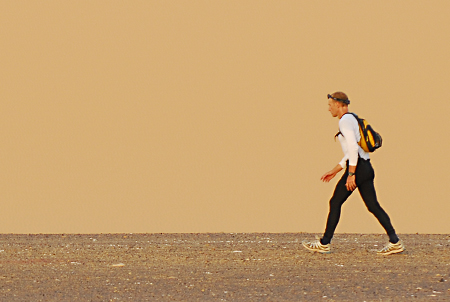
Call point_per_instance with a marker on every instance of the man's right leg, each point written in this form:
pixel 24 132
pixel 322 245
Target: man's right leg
pixel 340 195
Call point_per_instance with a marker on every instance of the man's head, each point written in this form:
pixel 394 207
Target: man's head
pixel 338 104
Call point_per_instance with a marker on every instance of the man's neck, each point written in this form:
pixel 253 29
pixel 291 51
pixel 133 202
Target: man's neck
pixel 342 112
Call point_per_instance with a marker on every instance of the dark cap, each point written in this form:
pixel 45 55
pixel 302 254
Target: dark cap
pixel 342 97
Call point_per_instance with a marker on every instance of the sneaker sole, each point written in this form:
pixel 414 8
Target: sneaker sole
pixel 391 252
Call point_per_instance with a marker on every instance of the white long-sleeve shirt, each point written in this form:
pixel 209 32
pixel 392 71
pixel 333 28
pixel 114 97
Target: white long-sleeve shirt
pixel 348 125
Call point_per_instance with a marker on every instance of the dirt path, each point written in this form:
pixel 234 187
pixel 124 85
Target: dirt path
pixel 220 267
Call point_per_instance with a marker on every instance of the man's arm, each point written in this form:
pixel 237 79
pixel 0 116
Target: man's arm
pixel 346 125
pixel 348 131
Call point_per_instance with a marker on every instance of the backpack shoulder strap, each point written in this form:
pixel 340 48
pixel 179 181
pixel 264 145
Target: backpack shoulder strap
pixel 359 120
pixel 337 134
pixel 354 114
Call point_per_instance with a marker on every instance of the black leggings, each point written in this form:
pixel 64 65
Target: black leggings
pixel 364 181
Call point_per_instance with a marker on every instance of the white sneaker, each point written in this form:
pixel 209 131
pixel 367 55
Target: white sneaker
pixel 392 248
pixel 316 246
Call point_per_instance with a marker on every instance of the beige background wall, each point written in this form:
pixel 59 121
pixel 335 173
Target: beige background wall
pixel 211 116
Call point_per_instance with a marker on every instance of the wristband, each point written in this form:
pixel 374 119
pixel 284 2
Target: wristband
pixel 351 173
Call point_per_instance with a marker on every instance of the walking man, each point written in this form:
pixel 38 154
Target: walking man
pixel 358 174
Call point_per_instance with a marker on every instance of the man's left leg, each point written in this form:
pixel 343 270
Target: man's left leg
pixel 368 194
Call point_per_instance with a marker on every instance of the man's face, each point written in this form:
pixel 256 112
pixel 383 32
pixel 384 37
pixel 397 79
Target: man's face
pixel 333 107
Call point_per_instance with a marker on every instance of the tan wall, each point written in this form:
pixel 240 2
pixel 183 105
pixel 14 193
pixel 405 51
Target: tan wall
pixel 210 116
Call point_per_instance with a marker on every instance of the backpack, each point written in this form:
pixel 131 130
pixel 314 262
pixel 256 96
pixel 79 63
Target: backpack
pixel 370 139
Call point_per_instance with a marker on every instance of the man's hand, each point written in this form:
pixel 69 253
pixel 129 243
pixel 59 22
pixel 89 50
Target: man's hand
pixel 331 174
pixel 351 180
pixel 351 183
pixel 328 176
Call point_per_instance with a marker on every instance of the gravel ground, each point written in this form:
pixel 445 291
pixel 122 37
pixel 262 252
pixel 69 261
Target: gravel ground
pixel 220 267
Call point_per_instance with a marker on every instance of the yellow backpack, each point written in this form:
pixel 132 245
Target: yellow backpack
pixel 370 139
